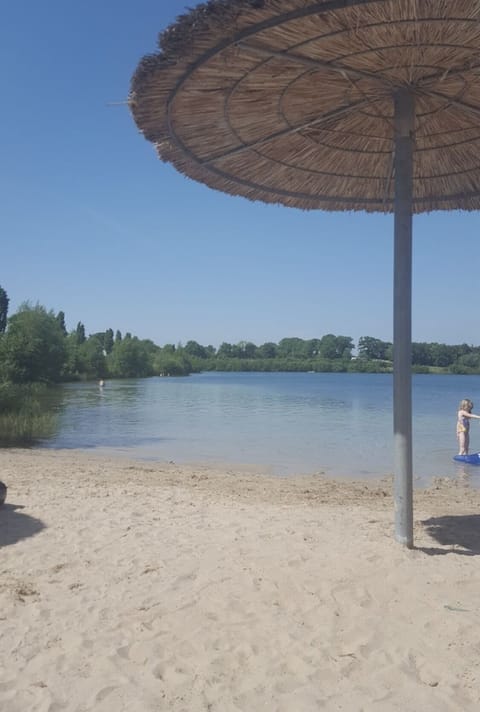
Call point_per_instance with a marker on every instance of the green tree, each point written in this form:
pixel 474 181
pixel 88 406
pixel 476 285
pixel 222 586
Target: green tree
pixel 192 348
pixel 291 347
pixel 108 341
pixel 421 354
pixel 72 364
pixel 4 300
pixel 33 347
pixel 61 320
pixel 441 355
pixel 470 362
pixel 345 347
pixel 245 349
pixel 372 349
pixel 225 350
pixel 328 346
pixel 172 364
pixel 91 358
pixel 80 332
pixel 130 358
pixel 267 350
pixel 312 348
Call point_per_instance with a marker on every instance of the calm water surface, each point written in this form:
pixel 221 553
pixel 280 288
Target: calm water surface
pixel 340 424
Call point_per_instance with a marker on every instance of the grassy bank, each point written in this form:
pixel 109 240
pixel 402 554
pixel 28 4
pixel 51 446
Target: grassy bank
pixel 24 416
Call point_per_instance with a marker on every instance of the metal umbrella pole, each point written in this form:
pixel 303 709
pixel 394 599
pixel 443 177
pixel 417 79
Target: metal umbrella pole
pixel 404 106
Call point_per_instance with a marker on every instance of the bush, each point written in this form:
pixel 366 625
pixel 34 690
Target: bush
pixel 24 417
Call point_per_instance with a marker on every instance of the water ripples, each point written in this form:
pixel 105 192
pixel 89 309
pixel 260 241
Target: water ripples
pixel 340 424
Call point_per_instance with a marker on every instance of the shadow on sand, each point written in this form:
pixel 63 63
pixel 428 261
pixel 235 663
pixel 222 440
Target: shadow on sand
pixel 459 534
pixel 15 526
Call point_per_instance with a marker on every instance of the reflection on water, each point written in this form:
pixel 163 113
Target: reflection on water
pixel 95 416
pixel 290 422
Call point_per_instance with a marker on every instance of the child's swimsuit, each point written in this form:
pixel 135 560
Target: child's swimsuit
pixel 462 424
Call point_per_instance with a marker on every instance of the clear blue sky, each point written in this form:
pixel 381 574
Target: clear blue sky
pixel 92 223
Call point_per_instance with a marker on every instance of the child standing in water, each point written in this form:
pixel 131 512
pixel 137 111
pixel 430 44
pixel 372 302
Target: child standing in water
pixel 463 425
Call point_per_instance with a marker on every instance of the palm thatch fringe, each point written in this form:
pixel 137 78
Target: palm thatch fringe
pixel 291 101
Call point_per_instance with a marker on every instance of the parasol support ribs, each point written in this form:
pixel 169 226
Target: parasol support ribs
pixel 404 109
pixel 330 66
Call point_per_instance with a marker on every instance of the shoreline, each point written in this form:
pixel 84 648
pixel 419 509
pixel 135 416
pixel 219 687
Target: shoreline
pixel 156 586
pixel 244 479
pixel 465 474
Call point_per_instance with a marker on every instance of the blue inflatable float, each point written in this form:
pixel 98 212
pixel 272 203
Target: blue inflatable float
pixel 473 459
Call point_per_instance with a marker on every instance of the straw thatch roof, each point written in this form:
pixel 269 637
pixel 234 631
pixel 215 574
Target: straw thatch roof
pixel 290 101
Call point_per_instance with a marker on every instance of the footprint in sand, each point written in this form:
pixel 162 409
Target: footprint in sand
pixel 104 693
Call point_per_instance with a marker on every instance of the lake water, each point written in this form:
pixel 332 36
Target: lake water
pixel 339 424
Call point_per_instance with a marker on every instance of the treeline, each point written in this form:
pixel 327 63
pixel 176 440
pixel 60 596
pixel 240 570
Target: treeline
pixel 332 353
pixel 426 357
pixel 36 347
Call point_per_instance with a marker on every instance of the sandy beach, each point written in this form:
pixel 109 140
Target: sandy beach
pixel 148 587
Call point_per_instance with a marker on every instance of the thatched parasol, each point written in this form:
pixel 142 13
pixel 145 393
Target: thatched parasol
pixel 335 105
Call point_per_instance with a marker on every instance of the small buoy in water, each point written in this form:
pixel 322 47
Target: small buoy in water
pixel 3 493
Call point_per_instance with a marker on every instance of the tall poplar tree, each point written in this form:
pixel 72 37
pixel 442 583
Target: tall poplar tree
pixel 108 341
pixel 80 332
pixel 61 320
pixel 3 310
